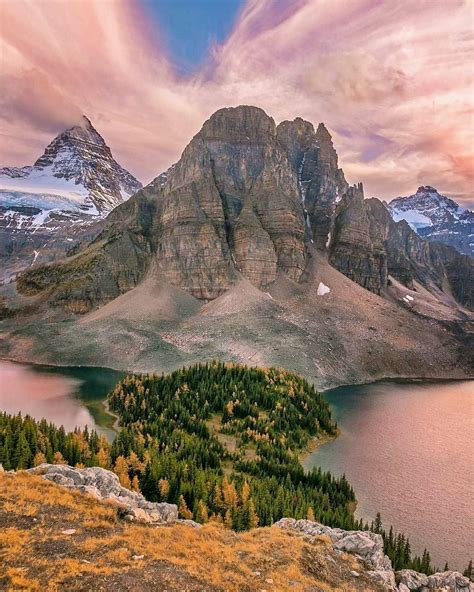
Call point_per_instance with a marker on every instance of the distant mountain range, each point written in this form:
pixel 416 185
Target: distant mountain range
pixel 46 208
pixel 247 199
pixel 437 218
pixel 252 246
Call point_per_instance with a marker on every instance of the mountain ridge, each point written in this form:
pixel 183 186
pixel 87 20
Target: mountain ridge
pixel 247 249
pixel 237 203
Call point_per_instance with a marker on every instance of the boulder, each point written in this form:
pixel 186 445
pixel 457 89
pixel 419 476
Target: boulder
pixel 451 581
pixel 105 485
pixel 411 579
pixel 385 577
pixel 366 545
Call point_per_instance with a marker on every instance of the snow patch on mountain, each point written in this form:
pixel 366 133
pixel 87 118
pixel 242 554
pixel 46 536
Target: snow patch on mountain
pixel 323 289
pixel 414 218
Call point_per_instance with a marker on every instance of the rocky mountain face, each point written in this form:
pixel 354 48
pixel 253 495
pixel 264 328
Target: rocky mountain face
pixel 368 246
pixel 230 205
pixel 248 199
pixel 437 218
pixel 321 183
pixel 47 208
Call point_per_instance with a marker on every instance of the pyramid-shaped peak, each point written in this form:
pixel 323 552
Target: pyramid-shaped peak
pixel 322 133
pixel 83 130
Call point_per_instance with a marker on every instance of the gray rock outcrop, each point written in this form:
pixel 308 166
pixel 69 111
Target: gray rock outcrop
pixel 411 579
pixel 451 581
pixel 368 547
pixel 105 485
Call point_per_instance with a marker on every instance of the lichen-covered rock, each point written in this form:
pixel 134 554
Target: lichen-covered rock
pixel 366 545
pixel 105 485
pixel 452 581
pixel 411 579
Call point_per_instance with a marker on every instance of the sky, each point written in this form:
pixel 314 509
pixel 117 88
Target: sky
pixel 392 81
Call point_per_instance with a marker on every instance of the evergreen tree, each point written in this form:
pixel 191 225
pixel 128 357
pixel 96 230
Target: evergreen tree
pixel 469 572
pixel 183 509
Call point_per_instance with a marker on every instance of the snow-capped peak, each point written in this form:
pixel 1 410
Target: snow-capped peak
pixel 436 217
pixel 76 166
pixel 425 208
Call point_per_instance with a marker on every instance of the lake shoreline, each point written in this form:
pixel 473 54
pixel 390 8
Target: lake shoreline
pixel 329 386
pixel 116 425
pixel 377 443
pixel 403 445
pixel 316 443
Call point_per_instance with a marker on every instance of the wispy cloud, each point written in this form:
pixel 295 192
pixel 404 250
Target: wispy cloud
pixel 392 80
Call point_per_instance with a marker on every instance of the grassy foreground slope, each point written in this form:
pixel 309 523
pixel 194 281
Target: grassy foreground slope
pixel 57 539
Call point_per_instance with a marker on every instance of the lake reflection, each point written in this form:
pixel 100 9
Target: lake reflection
pixel 408 451
pixel 71 397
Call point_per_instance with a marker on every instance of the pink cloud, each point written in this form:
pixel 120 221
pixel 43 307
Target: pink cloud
pixel 395 76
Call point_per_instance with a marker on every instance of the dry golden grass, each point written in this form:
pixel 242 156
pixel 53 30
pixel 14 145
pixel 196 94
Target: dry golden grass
pixel 37 554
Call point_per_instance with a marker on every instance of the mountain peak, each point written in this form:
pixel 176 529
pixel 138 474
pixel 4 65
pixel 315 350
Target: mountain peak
pixel 322 133
pixel 426 189
pixel 435 216
pixel 242 123
pixel 83 131
pixel 77 165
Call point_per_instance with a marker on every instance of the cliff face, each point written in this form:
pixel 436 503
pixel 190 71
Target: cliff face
pixel 368 246
pixel 247 199
pixel 231 205
pixel 321 183
pixel 459 271
pixel 358 243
